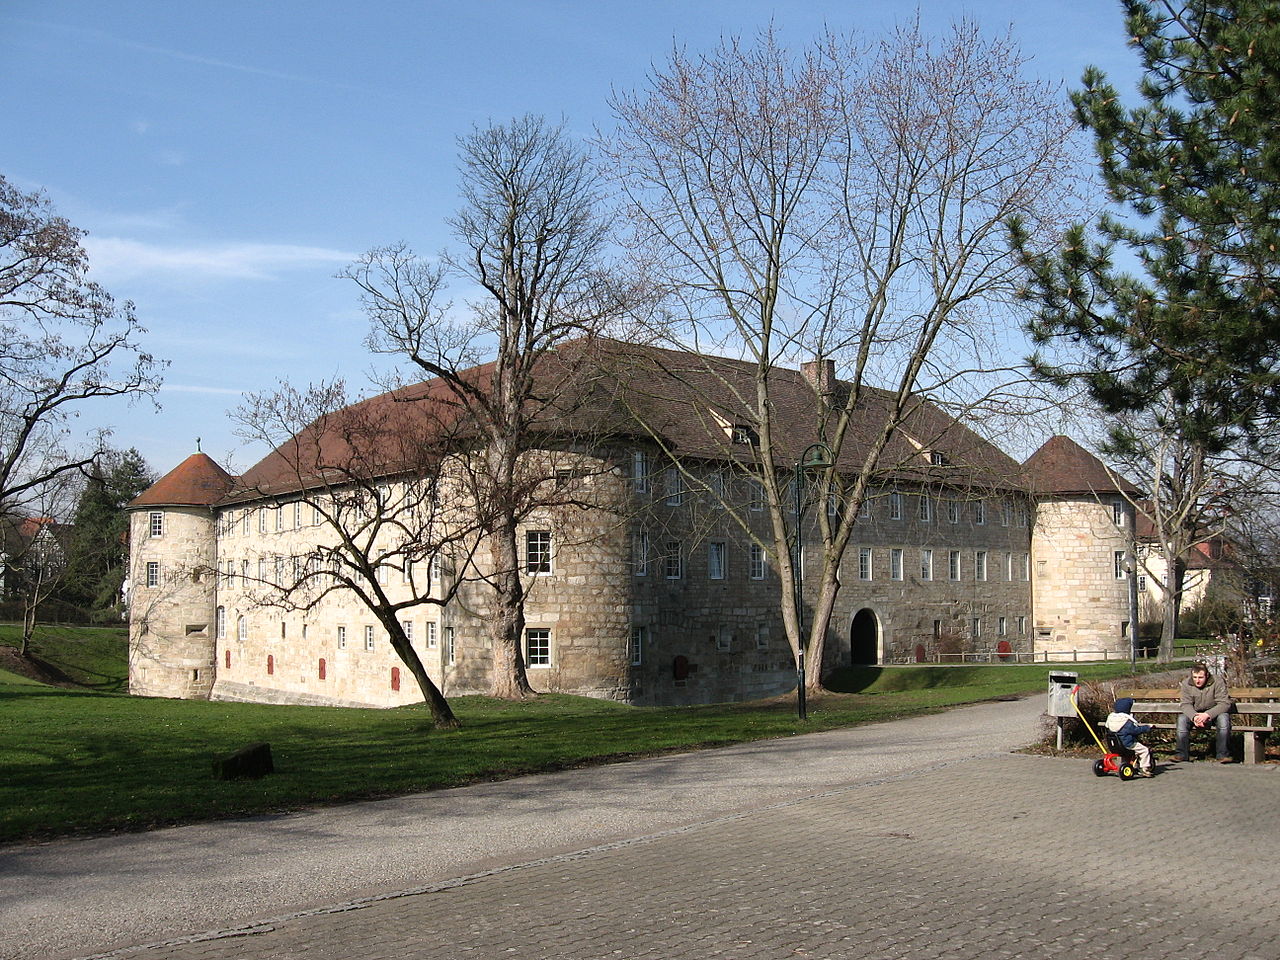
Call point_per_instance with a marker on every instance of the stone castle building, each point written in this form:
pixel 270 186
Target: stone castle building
pixel 647 580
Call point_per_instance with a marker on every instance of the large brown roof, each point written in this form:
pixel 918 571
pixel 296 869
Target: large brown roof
pixel 607 389
pixel 1063 467
pixel 196 482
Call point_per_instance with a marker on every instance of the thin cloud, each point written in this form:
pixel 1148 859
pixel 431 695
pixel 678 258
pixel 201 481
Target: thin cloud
pixel 102 36
pixel 116 258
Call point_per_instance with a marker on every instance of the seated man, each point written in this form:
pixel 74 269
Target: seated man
pixel 1204 699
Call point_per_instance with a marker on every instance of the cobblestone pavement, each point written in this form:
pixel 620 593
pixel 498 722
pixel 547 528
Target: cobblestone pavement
pixel 1004 856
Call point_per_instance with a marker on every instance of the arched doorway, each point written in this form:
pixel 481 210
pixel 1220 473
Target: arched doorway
pixel 864 638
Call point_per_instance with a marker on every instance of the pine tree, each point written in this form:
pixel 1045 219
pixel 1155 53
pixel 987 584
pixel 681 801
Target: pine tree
pixel 98 553
pixel 1194 172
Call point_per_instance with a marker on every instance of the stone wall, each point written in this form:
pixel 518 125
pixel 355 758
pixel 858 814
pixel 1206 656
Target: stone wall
pixel 172 622
pixel 1080 602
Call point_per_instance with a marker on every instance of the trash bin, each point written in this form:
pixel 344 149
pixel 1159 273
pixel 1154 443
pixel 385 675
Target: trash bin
pixel 1061 685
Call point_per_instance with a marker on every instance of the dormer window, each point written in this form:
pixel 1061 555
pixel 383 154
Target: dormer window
pixel 937 458
pixel 738 433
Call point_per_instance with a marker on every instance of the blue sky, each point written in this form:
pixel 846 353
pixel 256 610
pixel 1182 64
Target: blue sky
pixel 228 158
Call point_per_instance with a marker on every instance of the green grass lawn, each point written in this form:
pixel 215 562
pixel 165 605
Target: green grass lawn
pixel 82 762
pixel 96 657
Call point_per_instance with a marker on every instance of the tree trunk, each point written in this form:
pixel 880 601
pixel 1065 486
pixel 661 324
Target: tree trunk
pixel 1172 607
pixel 509 680
pixel 442 716
pixel 818 630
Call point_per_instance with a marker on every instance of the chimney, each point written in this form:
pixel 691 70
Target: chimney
pixel 821 373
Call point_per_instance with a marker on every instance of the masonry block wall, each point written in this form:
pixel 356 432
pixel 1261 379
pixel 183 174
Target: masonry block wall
pixel 1081 578
pixel 172 602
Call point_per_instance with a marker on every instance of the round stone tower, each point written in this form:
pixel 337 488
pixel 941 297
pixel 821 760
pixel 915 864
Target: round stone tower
pixel 1082 551
pixel 173 581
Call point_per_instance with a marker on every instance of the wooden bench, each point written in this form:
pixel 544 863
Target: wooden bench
pixel 1259 704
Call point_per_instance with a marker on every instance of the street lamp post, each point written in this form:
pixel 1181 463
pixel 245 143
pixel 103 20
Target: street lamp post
pixel 816 456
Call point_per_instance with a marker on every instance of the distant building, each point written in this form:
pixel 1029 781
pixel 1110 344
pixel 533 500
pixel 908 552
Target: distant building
pixel 960 549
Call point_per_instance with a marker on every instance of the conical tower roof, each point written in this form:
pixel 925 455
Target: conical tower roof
pixel 196 482
pixel 1064 467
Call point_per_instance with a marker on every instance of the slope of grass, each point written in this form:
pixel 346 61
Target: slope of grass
pixel 95 657
pixel 77 762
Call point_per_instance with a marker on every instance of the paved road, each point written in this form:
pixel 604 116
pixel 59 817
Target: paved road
pixel 919 838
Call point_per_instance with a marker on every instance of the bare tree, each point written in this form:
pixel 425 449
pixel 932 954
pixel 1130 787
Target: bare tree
pixel 36 548
pixel 844 204
pixel 63 341
pixel 531 240
pixel 378 498
pixel 1188 493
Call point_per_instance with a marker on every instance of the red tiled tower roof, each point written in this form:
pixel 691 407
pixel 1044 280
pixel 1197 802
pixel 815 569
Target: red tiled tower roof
pixel 196 482
pixel 1062 466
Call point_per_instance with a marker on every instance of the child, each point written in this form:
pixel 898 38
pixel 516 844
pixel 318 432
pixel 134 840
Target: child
pixel 1127 730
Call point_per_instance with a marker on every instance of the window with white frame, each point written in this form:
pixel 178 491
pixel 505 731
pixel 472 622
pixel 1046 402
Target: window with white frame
pixel 244 521
pixel 155 523
pixel 924 508
pixel 242 628
pixel 953 511
pixel 1142 583
pixel 640 554
pixel 431 634
pixel 537 551
pixel 407 627
pixel 342 638
pixel 717 485
pixel 926 564
pixel 1021 511
pixel 755 492
pixel 715 560
pixel 895 563
pixel 279 513
pixel 674 486
pixel 317 515
pixel 1004 513
pixel 1117 512
pixel 640 471
pixel 864 563
pixel 672 560
pixel 220 623
pixel 1002 626
pixel 537 647
pixel 1120 570
pixel 1022 626
pixel 895 506
pixel 762 636
pixel 979 564
pixel 262 519
pixel 450 646
pixel 953 564
pixel 1008 566
pixel 153 573
pixel 368 637
pixel 724 639
pixel 864 508
pixel 757 562
pixel 639 640
pixel 975 628
pixel 979 510
pixel 1026 566
pixel 297 514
